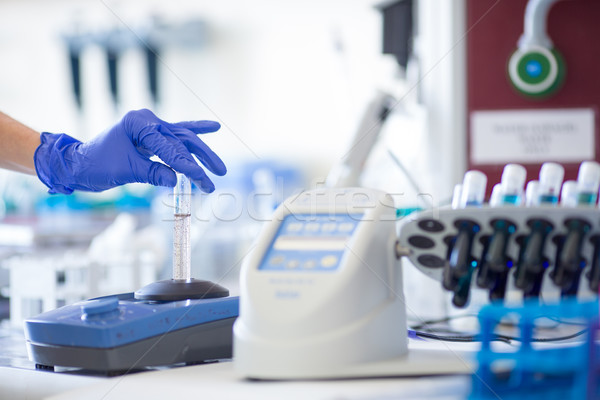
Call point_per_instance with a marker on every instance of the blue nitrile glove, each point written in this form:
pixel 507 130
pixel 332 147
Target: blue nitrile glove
pixel 122 154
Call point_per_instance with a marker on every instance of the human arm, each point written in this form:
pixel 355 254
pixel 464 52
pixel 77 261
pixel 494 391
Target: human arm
pixel 17 145
pixel 121 155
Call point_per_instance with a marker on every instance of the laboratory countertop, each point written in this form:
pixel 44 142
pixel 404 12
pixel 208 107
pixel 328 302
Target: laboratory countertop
pixel 219 380
pixel 20 381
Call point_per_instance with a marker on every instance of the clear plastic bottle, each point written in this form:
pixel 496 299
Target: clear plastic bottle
pixel 532 194
pixel 588 182
pixel 551 178
pixel 473 189
pixel 568 194
pixel 513 180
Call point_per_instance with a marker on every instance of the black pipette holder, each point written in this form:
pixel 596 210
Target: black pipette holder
pixel 545 251
pixel 569 260
pixel 493 271
pixel 458 271
pixel 532 263
pixel 593 275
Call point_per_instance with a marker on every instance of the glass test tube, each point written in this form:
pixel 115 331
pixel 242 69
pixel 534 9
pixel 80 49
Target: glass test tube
pixel 182 206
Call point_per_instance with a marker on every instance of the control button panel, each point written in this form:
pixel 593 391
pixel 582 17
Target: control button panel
pixel 310 242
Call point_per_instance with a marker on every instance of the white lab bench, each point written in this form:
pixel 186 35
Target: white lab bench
pixel 219 380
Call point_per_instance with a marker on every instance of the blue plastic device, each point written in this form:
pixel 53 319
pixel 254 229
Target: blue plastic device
pixel 566 372
pixel 120 333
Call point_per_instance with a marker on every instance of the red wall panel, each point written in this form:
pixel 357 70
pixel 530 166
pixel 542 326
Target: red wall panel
pixel 494 28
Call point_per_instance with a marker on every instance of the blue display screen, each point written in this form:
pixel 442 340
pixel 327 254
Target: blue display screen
pixel 310 242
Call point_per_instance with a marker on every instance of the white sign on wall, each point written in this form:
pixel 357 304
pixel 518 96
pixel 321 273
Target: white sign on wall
pixel 532 136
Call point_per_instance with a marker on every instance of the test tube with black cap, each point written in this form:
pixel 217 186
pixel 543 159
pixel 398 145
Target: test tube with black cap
pixel 458 271
pixel 569 261
pixel 493 271
pixel 532 263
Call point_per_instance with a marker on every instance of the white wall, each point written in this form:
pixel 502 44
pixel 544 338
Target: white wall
pixel 285 79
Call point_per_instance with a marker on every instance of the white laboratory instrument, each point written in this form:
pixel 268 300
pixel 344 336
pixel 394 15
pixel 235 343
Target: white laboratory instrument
pixel 348 171
pixel 541 251
pixel 175 321
pixel 321 294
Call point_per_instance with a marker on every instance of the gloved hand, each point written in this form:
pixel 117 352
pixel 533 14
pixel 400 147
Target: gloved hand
pixel 122 154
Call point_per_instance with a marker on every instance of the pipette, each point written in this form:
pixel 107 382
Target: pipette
pixel 458 271
pixel 594 274
pixel 495 264
pixel 532 263
pixel 569 262
pixel 589 185
pixel 182 207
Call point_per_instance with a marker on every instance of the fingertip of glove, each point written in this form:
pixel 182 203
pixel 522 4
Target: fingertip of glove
pixel 200 127
pixel 209 124
pixel 164 177
pixel 216 125
pixel 220 169
pixel 205 186
pixel 168 181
